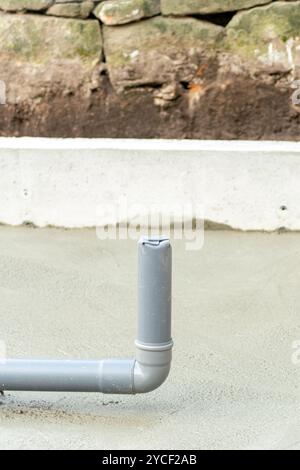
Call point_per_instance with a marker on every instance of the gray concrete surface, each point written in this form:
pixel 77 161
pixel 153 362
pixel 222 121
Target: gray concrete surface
pixel 78 183
pixel 236 316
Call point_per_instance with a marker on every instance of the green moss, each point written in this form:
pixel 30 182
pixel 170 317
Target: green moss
pixel 250 32
pixel 147 7
pixel 40 40
pixel 87 39
pixel 160 25
pixel 190 7
pixel 159 36
pixel 24 41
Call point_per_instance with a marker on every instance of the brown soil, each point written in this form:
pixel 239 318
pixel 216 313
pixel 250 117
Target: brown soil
pixel 243 108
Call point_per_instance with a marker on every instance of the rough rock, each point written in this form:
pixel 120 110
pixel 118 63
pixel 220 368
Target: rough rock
pixel 41 53
pixel 19 5
pixel 114 12
pixel 175 77
pixel 72 10
pixel 267 37
pixel 190 7
pixel 75 1
pixel 159 50
pixel 40 39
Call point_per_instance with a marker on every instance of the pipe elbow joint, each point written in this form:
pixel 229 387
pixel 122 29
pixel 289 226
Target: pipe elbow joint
pixel 152 366
pixel 149 378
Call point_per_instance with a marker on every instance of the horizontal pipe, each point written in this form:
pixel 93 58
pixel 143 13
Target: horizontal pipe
pixel 142 374
pixel 48 375
pixel 106 376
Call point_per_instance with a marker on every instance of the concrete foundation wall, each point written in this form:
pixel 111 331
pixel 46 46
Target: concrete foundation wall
pixel 80 182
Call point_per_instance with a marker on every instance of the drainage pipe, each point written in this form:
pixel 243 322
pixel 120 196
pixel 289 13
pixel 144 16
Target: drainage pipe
pixel 144 373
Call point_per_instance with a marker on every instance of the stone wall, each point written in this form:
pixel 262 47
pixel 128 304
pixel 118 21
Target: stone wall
pixel 150 68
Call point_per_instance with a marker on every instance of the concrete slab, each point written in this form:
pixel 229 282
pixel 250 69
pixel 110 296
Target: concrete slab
pixel 233 383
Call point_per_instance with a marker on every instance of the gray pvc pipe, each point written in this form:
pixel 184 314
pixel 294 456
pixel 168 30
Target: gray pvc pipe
pixel 107 376
pixel 154 291
pixel 147 371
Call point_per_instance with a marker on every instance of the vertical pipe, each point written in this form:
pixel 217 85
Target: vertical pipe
pixel 154 291
pixel 154 342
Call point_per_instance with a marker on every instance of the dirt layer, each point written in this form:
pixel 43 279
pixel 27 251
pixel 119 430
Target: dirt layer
pixel 241 108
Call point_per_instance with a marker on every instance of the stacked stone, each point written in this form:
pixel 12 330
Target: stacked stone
pixel 64 8
pixel 119 12
pixel 114 12
pixel 159 42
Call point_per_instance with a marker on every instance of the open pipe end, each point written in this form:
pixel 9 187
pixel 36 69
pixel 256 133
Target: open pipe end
pixel 154 241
